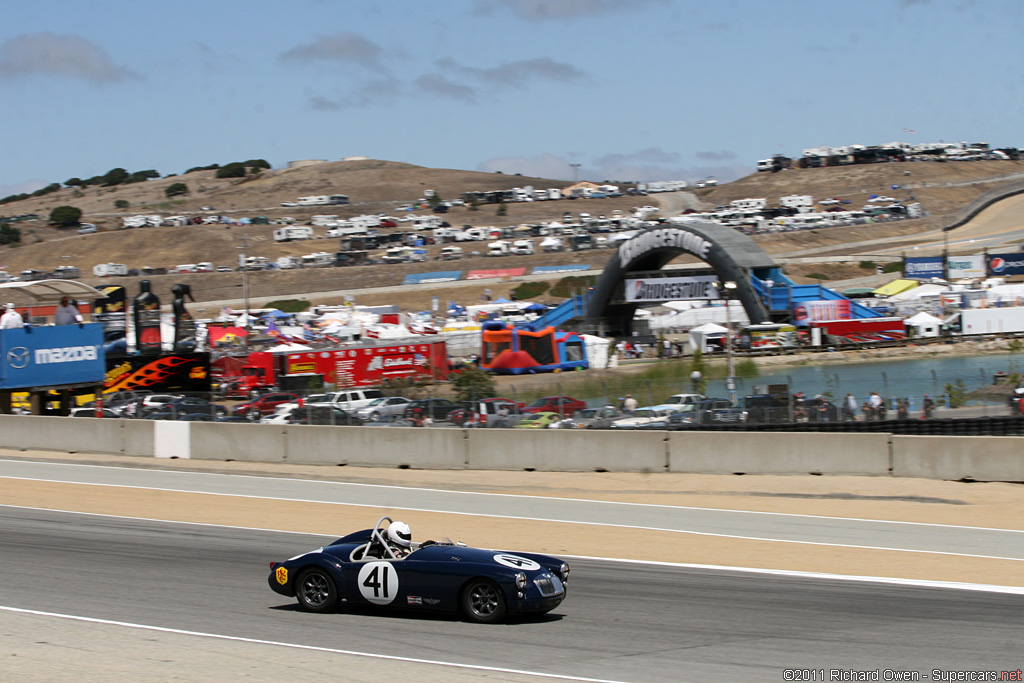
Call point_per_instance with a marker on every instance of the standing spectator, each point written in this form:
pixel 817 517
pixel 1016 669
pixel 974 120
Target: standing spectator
pixel 867 411
pixel 668 348
pixel 11 319
pixel 621 348
pixel 928 406
pixel 639 349
pixel 27 317
pixel 902 409
pixel 66 313
pixel 629 405
pixel 883 410
pixel 487 294
pixel 877 405
pixel 849 408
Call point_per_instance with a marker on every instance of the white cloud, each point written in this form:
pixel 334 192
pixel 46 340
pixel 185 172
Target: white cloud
pixel 555 10
pixel 340 47
pixel 60 55
pixel 442 86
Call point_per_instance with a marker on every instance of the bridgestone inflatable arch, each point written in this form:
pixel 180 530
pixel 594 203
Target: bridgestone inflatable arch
pixel 731 254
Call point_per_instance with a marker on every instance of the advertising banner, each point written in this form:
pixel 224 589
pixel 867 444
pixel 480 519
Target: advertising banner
pixel 696 287
pixel 1006 264
pixel 176 372
pixel 112 311
pixel 372 366
pixel 488 274
pixel 815 311
pixel 924 268
pixel 436 276
pixel 966 266
pixel 60 355
pixel 561 269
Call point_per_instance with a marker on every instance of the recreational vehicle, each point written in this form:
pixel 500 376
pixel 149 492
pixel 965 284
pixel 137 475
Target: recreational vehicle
pixel 522 247
pixel 293 232
pixel 450 254
pixel 499 248
pixel 109 269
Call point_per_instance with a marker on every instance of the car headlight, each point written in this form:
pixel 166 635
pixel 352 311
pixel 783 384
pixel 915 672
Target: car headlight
pixel 563 572
pixel 520 580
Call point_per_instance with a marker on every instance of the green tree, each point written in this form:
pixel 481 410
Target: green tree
pixel 175 189
pixel 957 393
pixel 114 176
pixel 256 164
pixel 52 187
pixel 472 383
pixel 502 209
pixel 141 176
pixel 73 182
pixel 122 204
pixel 9 234
pixel 233 170
pixel 65 216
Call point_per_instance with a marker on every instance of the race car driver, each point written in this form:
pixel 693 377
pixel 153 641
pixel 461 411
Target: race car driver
pixel 399 538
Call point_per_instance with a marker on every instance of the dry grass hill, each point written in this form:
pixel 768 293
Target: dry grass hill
pixel 375 185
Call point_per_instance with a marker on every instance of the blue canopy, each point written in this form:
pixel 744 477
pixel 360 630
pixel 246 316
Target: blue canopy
pixel 276 314
pixel 535 307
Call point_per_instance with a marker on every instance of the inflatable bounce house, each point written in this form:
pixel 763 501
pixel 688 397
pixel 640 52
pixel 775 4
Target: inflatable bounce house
pixel 509 350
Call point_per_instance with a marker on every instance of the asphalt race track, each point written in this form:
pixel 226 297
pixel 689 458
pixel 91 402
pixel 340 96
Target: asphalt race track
pixel 621 621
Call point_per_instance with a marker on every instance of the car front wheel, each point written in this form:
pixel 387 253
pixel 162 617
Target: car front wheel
pixel 315 591
pixel 374 417
pixel 483 602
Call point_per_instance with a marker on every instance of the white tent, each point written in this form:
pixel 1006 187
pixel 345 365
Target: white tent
pixel 924 324
pixel 919 292
pixel 597 351
pixel 700 335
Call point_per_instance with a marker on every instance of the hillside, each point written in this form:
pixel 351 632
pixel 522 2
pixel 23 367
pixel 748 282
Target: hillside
pixel 375 185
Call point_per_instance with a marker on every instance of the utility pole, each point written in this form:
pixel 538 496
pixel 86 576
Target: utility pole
pixel 245 288
pixel 575 172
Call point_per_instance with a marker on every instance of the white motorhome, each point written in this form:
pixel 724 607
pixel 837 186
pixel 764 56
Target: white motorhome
pixel 450 254
pixel 289 262
pixel 185 268
pixel 109 269
pixel 474 234
pixel 67 273
pixel 205 267
pixel 522 247
pixel 319 259
pixel 324 220
pixel 346 228
pixel 403 255
pixel 499 248
pixel 255 263
pixel 314 200
pixel 291 233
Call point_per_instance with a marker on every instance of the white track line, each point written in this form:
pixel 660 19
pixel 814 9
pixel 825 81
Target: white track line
pixel 354 653
pixel 921 583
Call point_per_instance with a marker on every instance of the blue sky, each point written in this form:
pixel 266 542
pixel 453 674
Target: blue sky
pixel 627 89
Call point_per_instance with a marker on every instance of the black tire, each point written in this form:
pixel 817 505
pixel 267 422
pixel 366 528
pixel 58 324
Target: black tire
pixel 483 602
pixel 316 592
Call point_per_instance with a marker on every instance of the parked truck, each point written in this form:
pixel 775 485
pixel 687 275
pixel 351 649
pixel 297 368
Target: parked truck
pixel 350 366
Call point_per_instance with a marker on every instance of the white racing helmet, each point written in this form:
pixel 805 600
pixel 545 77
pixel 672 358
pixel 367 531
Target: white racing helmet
pixel 400 534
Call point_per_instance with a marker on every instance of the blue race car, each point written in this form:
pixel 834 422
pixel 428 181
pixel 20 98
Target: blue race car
pixel 369 568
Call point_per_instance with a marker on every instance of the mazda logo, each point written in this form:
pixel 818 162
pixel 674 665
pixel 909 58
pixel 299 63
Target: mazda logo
pixel 17 357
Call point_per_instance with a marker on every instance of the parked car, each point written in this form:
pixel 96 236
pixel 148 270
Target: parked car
pixel 264 405
pixel 708 411
pixel 140 406
pixel 90 411
pixel 642 417
pixel 679 401
pixel 563 405
pixel 189 405
pixel 593 418
pixel 322 415
pixel 768 408
pixel 380 407
pixel 487 412
pixel 436 408
pixel 349 399
pixel 538 420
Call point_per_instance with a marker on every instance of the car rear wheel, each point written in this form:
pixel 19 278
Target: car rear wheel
pixel 315 591
pixel 483 602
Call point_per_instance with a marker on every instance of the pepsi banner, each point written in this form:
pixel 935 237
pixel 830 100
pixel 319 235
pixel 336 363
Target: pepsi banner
pixel 1006 264
pixel 698 287
pixel 436 276
pixel 52 356
pixel 807 312
pixel 924 268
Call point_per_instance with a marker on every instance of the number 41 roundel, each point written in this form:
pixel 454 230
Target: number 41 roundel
pixel 378 582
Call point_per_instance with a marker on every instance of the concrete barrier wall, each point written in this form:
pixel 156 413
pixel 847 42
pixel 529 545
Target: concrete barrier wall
pixel 377 446
pixel 239 441
pixel 577 450
pixel 70 435
pixel 778 453
pixel 988 458
pixel 932 457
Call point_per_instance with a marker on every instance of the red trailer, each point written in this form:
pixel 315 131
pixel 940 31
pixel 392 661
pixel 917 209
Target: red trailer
pixel 350 366
pixel 862 329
